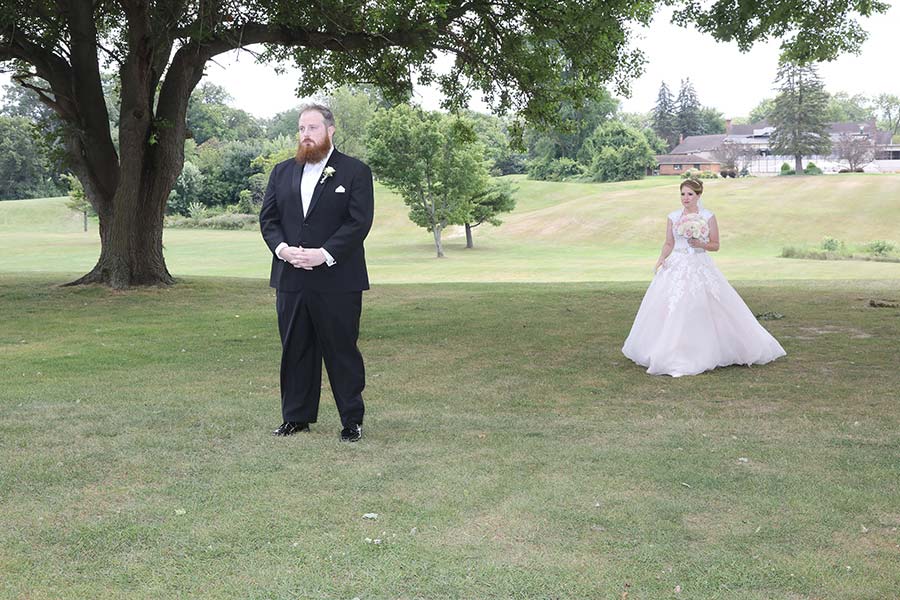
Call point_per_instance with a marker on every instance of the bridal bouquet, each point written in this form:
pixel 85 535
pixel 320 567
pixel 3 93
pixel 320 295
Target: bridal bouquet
pixel 692 226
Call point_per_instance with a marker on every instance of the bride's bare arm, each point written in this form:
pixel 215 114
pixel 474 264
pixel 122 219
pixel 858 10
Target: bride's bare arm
pixel 667 247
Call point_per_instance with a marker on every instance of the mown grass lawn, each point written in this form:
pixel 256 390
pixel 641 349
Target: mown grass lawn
pixel 510 451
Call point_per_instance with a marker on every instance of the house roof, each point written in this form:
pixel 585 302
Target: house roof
pixel 755 134
pixel 748 128
pixel 680 159
pixel 699 143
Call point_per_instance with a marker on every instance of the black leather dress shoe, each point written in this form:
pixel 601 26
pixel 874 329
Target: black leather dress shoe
pixel 291 427
pixel 351 433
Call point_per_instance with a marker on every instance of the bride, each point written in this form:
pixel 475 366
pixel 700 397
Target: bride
pixel 691 320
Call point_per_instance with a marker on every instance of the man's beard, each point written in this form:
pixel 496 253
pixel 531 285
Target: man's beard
pixel 312 154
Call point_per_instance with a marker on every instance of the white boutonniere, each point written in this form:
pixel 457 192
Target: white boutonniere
pixel 326 173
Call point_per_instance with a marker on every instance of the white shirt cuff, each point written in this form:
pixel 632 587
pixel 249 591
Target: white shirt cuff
pixel 279 248
pixel 329 260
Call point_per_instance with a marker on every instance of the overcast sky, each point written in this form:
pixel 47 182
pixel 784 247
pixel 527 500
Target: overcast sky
pixel 724 78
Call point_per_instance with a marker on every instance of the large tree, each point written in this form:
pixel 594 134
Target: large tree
pixel 800 116
pixel 526 55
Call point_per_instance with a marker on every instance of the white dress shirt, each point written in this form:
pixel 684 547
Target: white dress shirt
pixel 311 174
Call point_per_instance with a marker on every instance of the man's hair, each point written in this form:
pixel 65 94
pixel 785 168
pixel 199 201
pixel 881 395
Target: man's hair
pixel 322 110
pixel 694 184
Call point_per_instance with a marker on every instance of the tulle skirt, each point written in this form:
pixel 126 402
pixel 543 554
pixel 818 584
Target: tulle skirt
pixel 691 320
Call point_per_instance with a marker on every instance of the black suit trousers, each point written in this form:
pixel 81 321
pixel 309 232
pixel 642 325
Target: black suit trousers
pixel 315 326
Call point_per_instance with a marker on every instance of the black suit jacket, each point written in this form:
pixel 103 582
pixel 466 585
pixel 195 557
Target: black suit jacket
pixel 337 221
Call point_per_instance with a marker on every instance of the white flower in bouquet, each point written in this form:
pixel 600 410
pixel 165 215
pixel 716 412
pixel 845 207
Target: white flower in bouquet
pixel 692 226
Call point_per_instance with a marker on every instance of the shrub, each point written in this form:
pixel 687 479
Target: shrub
pixel 785 168
pixel 832 245
pixel 232 221
pixel 692 174
pixel 197 211
pixel 812 169
pixel 553 169
pixel 226 221
pixel 245 203
pixel 728 173
pixel 880 247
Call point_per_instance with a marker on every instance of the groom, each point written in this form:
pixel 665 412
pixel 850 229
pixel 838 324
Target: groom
pixel 317 211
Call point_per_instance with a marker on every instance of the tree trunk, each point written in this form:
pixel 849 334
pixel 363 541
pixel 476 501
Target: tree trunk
pixel 798 164
pixel 131 249
pixel 437 241
pixel 84 214
pixel 469 243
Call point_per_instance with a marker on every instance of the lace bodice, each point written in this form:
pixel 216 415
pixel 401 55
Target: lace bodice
pixel 681 242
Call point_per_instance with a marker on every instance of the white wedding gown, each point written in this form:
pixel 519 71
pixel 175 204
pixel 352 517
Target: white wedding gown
pixel 691 320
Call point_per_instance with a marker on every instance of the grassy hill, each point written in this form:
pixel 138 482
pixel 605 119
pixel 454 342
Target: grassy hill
pixel 558 232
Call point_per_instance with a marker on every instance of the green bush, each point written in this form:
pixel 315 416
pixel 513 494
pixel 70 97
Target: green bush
pixel 880 247
pixel 197 211
pixel 832 245
pixel 553 169
pixel 812 169
pixel 692 174
pixel 224 221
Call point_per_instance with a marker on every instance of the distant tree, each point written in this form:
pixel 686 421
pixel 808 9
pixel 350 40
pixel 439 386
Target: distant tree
pixel 734 156
pixel 762 111
pixel 209 116
pixel 618 153
pixel 25 169
pixel 496 134
pixel 433 161
pixel 487 205
pixel 800 115
pixel 188 189
pixel 664 121
pixel 656 143
pixel 226 166
pixel 857 150
pixel 843 108
pixel 283 124
pixel 353 109
pixel 547 145
pixel 687 110
pixel 711 121
pixel 889 112
pixel 77 201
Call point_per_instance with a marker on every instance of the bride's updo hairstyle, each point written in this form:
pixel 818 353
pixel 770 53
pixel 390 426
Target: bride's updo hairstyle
pixel 694 184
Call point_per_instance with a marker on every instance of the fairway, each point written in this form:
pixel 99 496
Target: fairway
pixel 558 232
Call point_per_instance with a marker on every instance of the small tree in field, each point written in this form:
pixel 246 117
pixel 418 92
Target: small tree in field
pixel 432 160
pixel 497 197
pixel 77 201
